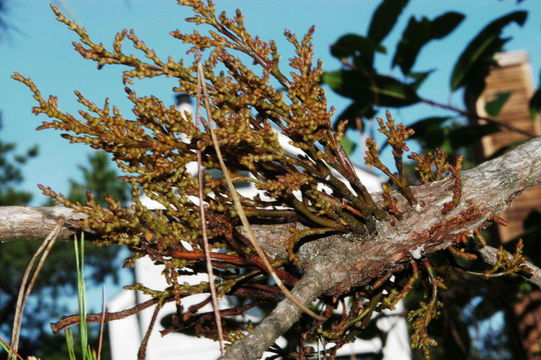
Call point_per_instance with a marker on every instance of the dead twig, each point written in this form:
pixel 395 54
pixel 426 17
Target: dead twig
pixel 71 320
pixel 102 323
pixel 489 255
pixel 238 206
pixel 141 354
pixel 485 118
pixel 208 260
pixel 5 345
pixel 26 286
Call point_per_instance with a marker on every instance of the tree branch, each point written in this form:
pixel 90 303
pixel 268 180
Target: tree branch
pixel 284 315
pixel 336 264
pixel 339 263
pixel 31 223
pixel 476 116
pixel 489 255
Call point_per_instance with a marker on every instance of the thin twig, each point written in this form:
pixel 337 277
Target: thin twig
pixel 71 320
pixel 485 275
pixel 5 345
pixel 469 114
pixel 208 260
pixel 200 318
pixel 102 323
pixel 489 255
pixel 238 206
pixel 141 354
pixel 43 257
pixel 26 286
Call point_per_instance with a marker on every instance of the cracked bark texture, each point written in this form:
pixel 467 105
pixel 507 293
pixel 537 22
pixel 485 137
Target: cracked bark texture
pixel 336 264
pixel 487 190
pixel 30 223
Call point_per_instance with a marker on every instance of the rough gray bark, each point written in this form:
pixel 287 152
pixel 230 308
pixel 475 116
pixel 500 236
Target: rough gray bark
pixel 28 222
pixel 487 190
pixel 309 288
pixel 335 264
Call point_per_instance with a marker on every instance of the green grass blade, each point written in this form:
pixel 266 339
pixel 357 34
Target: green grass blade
pixel 81 296
pixel 6 349
pixel 70 344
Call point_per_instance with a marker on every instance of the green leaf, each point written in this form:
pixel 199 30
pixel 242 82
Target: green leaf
pixel 348 145
pixel 33 151
pixel 384 19
pixel 535 103
pixel 6 349
pixel 495 106
pixel 430 131
pixel 424 126
pixel 433 133
pixel 475 61
pixel 444 24
pixel 353 45
pixel 356 110
pixel 333 79
pixel 419 78
pixel 420 32
pixel 470 134
pixel 380 90
pixel 416 34
pixel 485 309
pixel 70 344
pixel 361 48
pixel 392 92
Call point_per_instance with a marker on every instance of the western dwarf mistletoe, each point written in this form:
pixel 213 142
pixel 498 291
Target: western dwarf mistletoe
pixel 310 195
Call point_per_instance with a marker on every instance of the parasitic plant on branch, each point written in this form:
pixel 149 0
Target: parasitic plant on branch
pixel 324 235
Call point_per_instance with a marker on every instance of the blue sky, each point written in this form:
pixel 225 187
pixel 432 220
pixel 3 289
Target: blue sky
pixel 41 48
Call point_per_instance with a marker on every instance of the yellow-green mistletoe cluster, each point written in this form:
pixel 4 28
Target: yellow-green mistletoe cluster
pixel 249 106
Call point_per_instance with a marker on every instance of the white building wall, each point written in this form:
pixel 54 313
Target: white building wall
pixel 126 334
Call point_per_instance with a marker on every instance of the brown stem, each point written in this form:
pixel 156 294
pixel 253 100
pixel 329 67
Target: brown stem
pixel 141 354
pixel 337 263
pixel 26 287
pixel 252 260
pixel 471 115
pixel 71 320
pixel 487 190
pixel 326 222
pixel 202 215
pixel 236 201
pixel 489 255
pixel 286 313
